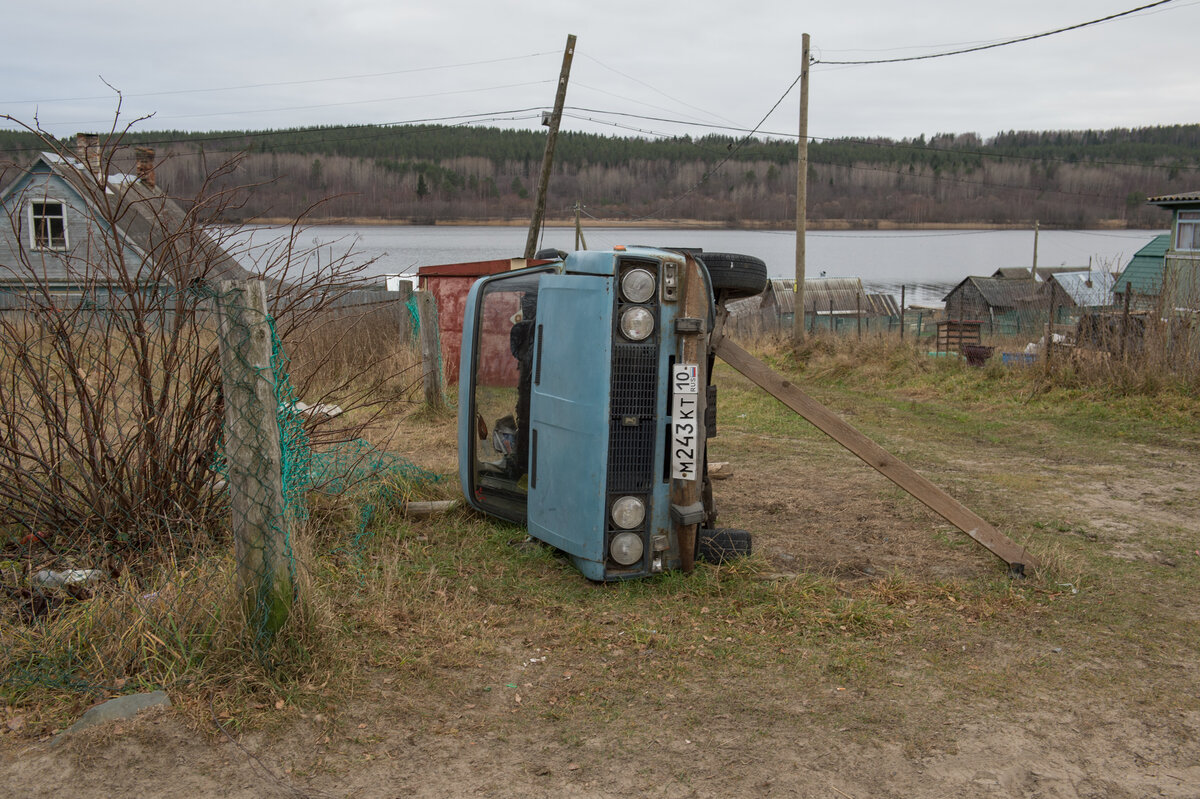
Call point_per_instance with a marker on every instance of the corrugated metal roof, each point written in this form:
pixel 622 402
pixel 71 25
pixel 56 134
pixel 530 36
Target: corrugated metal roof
pixel 845 293
pixel 1176 199
pixel 1043 272
pixel 1144 272
pixel 1087 289
pixel 746 306
pixel 883 305
pixel 999 292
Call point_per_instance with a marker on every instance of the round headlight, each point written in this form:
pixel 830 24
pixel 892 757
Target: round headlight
pixel 628 512
pixel 626 548
pixel 637 323
pixel 637 285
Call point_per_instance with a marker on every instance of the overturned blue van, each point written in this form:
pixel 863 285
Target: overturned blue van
pixel 585 404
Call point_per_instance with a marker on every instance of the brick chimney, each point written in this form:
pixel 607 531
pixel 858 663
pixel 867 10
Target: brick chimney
pixel 145 166
pixel 87 150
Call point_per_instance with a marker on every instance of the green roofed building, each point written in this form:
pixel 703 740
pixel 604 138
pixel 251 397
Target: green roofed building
pixel 1177 279
pixel 1143 274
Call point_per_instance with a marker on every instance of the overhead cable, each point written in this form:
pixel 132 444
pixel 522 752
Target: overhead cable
pixel 1005 43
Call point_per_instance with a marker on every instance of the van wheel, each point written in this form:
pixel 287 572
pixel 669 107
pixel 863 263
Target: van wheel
pixel 722 545
pixel 735 276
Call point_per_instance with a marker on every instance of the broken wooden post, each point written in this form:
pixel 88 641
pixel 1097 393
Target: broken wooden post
pixel 253 457
pixel 431 372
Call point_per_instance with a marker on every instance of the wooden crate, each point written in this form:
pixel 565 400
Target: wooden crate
pixel 952 334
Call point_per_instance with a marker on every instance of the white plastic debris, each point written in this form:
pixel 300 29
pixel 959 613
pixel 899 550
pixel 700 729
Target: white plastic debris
pixel 47 578
pixel 320 409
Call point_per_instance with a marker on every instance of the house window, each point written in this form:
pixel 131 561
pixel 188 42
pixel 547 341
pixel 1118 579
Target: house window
pixel 48 225
pixel 1187 231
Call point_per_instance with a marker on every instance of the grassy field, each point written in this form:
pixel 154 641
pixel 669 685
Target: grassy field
pixel 866 649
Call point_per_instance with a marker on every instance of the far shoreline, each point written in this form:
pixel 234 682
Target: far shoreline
pixel 684 224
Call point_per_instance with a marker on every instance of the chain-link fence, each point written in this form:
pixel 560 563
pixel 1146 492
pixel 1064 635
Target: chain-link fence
pixel 1157 329
pixel 155 461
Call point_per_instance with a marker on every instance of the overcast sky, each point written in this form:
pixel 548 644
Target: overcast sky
pixel 223 65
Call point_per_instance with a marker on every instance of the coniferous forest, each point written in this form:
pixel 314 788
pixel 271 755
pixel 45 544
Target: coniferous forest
pixel 429 174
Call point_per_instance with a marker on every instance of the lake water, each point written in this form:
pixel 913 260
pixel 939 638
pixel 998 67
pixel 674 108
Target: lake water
pixel 928 263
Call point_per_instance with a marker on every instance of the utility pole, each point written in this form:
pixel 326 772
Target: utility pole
pixel 539 210
pixel 801 197
pixel 579 239
pixel 1033 271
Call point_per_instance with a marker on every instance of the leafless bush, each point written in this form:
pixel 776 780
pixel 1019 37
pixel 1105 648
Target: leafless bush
pixel 110 401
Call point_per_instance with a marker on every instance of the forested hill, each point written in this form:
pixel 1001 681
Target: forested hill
pixel 440 173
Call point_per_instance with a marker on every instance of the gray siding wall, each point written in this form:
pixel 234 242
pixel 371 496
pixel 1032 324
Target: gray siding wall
pixel 19 262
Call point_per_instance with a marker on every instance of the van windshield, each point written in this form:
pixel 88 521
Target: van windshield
pixel 502 372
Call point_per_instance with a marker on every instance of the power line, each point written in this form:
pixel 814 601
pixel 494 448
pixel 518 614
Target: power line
pixel 377 130
pixel 287 82
pixel 501 115
pixel 1005 43
pixel 732 151
pixel 897 172
pixel 696 120
pixel 655 89
pixel 868 142
pixel 328 105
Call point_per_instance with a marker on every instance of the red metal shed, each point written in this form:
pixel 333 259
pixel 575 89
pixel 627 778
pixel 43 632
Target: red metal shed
pixel 450 284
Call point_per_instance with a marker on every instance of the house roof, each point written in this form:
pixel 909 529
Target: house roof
pixel 1172 200
pixel 1087 289
pixel 998 292
pixel 149 219
pixel 1144 272
pixel 841 295
pixel 883 305
pixel 1043 272
pixel 844 293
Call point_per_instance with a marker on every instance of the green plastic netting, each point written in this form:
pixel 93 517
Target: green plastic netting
pixel 117 564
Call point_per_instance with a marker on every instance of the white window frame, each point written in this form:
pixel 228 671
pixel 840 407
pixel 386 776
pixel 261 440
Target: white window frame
pixel 33 233
pixel 1187 222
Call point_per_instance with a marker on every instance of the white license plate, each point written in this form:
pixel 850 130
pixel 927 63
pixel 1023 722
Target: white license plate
pixel 685 440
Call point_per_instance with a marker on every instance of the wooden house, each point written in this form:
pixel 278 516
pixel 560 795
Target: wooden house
pixel 80 232
pixel 1181 261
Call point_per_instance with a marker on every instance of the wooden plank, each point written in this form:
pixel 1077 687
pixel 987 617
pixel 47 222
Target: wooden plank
pixel 1016 556
pixel 431 508
pixel 693 348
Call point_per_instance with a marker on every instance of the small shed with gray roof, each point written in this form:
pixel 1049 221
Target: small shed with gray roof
pixel 1082 289
pixel 983 298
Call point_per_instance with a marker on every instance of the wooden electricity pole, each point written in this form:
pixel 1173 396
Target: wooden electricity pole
pixel 1033 269
pixel 539 208
pixel 579 239
pixel 801 197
